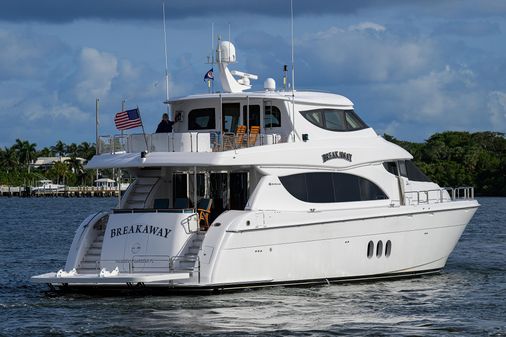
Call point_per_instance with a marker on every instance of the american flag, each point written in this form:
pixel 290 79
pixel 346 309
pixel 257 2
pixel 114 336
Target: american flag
pixel 129 119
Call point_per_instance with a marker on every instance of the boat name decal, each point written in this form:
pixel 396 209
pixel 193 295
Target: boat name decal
pixel 141 229
pixel 337 155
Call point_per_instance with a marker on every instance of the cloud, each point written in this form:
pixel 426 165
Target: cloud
pixel 497 110
pixel 65 11
pixel 367 25
pixel 467 28
pixel 96 70
pixel 369 54
pixel 26 55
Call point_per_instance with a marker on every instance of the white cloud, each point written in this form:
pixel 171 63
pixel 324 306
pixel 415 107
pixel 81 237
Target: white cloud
pixel 95 74
pixel 26 56
pixel 356 56
pixel 367 26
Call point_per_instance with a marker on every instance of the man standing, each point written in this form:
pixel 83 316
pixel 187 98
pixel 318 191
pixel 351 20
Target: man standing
pixel 165 124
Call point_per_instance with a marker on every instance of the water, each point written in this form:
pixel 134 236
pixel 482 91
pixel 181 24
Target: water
pixel 467 298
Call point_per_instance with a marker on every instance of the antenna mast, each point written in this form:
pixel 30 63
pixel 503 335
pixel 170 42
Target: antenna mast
pixel 293 73
pixel 293 57
pixel 166 62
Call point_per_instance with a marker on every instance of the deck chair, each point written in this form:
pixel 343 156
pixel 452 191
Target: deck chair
pixel 228 141
pixel 239 136
pixel 253 134
pixel 161 204
pixel 204 209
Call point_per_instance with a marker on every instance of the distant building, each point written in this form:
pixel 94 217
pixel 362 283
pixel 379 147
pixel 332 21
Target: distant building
pixel 45 163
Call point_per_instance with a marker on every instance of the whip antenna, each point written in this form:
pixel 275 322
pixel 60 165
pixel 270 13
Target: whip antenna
pixel 293 73
pixel 166 62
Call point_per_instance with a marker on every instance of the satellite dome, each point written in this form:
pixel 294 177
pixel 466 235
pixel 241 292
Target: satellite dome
pixel 226 52
pixel 270 84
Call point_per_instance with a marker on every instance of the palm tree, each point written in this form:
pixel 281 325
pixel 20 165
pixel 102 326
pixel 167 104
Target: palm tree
pixel 71 150
pixel 26 152
pixel 46 152
pixel 60 170
pixel 9 162
pixel 75 165
pixel 86 150
pixel 59 148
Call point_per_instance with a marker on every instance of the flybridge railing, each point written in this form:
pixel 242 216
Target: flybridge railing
pixel 156 142
pixel 440 195
pixel 181 142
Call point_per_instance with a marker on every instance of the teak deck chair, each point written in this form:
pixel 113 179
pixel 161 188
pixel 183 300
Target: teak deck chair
pixel 253 134
pixel 204 209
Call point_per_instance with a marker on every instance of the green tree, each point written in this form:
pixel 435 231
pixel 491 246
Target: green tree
pixel 59 148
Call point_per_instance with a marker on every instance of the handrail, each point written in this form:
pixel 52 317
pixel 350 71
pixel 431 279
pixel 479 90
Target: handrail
pixel 452 194
pixel 173 259
pixel 186 223
pixel 113 144
pixel 170 260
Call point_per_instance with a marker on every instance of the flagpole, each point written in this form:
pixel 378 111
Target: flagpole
pixel 97 123
pixel 143 132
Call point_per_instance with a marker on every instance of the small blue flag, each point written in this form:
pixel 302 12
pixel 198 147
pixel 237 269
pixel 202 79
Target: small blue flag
pixel 209 75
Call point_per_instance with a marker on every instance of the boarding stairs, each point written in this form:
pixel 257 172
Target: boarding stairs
pixel 90 262
pixel 189 261
pixel 140 192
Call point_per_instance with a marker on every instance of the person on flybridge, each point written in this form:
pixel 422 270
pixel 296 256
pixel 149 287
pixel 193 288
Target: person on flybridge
pixel 165 124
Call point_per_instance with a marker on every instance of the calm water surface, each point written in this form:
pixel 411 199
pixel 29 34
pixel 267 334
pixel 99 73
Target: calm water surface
pixel 467 298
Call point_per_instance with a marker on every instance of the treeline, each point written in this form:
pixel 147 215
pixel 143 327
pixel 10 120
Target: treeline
pixel 16 164
pixel 456 159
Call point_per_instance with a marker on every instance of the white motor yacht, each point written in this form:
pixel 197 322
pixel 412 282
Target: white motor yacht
pixel 46 185
pixel 264 188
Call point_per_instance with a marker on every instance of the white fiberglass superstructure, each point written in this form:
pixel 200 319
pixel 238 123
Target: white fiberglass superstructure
pixel 260 189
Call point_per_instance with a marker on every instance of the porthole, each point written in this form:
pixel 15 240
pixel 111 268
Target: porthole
pixel 379 249
pixel 370 249
pixel 388 248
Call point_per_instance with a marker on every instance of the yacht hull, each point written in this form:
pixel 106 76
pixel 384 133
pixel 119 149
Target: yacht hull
pixel 277 248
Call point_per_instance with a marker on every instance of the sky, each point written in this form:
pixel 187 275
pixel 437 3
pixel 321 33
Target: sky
pixel 412 68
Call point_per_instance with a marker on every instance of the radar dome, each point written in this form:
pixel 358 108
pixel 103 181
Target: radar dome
pixel 270 84
pixel 226 52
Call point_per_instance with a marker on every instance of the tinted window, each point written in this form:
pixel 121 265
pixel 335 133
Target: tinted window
pixel 334 119
pixel 254 115
pixel 324 187
pixel 408 169
pixel 319 187
pixel 414 172
pixel 272 117
pixel 391 167
pixel 296 185
pixel 201 119
pixel 230 116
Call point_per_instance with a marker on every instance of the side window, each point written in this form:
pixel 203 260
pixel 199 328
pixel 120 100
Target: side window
pixel 408 169
pixel 319 187
pixel 254 115
pixel 272 117
pixel 334 119
pixel 325 187
pixel 414 172
pixel 202 119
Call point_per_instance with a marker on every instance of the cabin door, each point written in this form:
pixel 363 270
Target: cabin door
pixel 230 116
pixel 238 190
